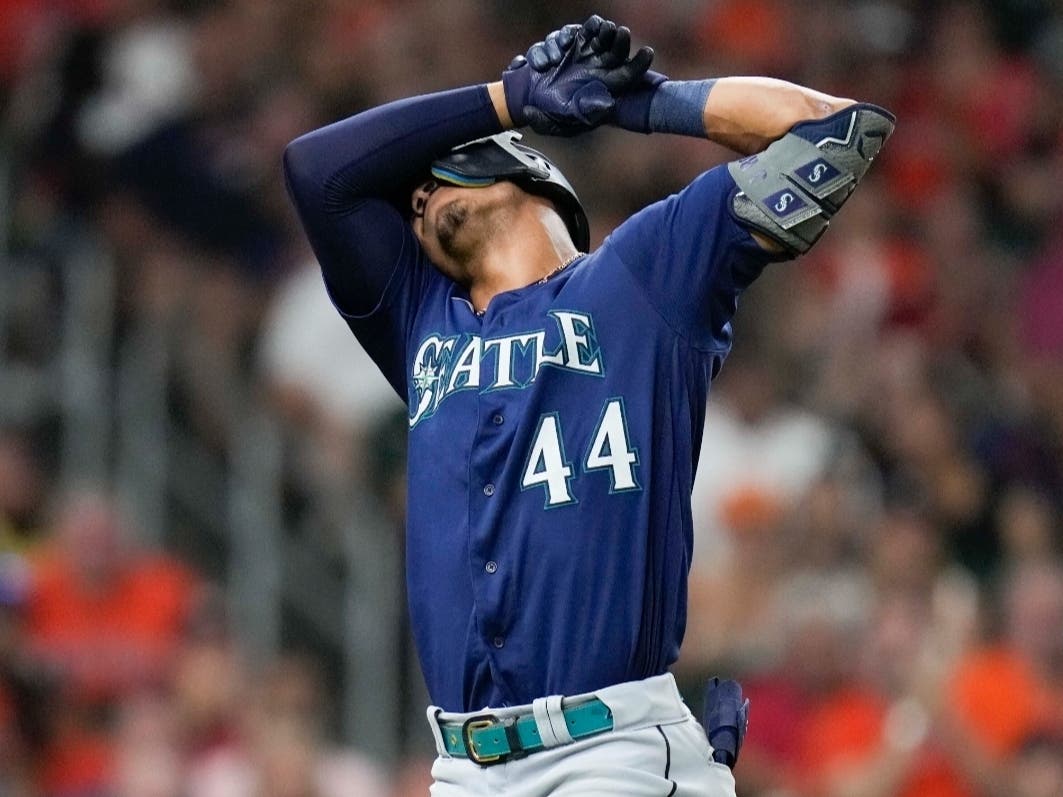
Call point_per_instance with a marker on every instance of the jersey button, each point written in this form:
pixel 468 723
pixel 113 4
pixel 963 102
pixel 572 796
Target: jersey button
pixel 499 642
pixel 498 420
pixel 489 490
pixel 491 567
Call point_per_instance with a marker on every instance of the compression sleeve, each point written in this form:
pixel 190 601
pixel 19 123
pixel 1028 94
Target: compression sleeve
pixel 350 182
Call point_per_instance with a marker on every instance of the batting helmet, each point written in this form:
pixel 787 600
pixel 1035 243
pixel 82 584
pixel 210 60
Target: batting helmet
pixel 501 157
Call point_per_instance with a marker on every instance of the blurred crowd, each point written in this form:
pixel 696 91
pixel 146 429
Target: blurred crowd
pixel 878 508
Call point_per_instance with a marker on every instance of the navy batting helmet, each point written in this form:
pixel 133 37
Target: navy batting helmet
pixel 501 157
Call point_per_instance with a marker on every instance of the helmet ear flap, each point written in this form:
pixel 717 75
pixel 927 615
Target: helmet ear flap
pixel 502 157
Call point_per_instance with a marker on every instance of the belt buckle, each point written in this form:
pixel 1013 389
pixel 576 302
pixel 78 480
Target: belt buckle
pixel 474 724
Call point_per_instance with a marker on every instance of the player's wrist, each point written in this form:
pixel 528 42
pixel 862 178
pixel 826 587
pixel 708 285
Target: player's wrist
pixel 497 92
pixel 679 107
pixel 516 85
pixel 666 106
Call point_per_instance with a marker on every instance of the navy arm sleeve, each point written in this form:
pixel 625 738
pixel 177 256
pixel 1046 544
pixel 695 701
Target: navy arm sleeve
pixel 693 259
pixel 351 182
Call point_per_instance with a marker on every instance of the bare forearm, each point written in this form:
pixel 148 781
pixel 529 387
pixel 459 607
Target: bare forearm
pixel 748 113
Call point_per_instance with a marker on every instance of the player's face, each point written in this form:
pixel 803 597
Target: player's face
pixel 452 222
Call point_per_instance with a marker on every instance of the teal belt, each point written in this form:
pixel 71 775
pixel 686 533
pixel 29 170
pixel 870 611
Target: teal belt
pixel 488 740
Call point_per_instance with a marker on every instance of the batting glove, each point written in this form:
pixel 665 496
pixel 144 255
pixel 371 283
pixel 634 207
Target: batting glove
pixel 725 718
pixel 569 82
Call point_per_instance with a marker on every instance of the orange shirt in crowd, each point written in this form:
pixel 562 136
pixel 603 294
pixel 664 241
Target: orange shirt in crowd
pixel 846 731
pixel 815 739
pixel 108 640
pixel 103 643
pixel 1001 701
pixel 996 696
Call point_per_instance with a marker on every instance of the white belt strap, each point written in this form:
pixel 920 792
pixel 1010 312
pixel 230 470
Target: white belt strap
pixel 550 721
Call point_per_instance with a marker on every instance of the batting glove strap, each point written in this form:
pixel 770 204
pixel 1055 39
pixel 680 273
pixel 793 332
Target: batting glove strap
pixel 725 719
pixel 633 109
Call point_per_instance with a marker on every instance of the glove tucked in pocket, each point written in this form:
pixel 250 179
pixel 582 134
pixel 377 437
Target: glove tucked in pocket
pixel 725 719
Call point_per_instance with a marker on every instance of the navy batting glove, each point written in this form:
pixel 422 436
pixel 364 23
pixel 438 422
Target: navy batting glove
pixel 568 83
pixel 548 53
pixel 725 718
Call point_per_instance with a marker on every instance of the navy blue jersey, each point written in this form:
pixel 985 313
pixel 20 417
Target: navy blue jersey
pixel 553 441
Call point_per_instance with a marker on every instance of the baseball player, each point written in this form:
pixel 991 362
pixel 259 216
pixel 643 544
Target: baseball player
pixel 556 396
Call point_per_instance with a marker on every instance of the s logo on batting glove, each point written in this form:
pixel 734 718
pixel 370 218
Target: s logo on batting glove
pixel 725 719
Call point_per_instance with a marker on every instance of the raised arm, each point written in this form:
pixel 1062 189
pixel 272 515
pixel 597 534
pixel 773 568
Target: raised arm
pixel 745 114
pixel 350 182
pixel 805 150
pixel 790 192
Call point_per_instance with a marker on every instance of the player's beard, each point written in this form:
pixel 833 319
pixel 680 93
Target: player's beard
pixel 451 222
pixel 466 226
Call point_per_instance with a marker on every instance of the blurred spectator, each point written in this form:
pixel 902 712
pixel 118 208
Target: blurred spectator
pixel 1041 337
pixel 816 620
pixel 413 777
pixel 1029 527
pixel 881 744
pixel 906 555
pixel 105 618
pixel 22 689
pixel 1025 667
pixel 146 80
pixel 321 378
pixel 22 492
pixel 208 687
pixel 147 752
pixel 763 475
pixel 17 20
pixel 754 34
pixel 284 752
pixel 104 613
pixel 844 725
pixel 757 448
pixel 1037 770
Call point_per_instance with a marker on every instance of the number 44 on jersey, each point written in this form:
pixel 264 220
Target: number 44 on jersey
pixel 610 449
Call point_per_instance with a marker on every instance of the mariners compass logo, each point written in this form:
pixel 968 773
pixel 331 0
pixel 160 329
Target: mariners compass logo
pixel 425 377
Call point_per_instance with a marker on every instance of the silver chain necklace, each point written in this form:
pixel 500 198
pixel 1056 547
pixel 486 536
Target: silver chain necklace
pixel 543 280
pixel 562 267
